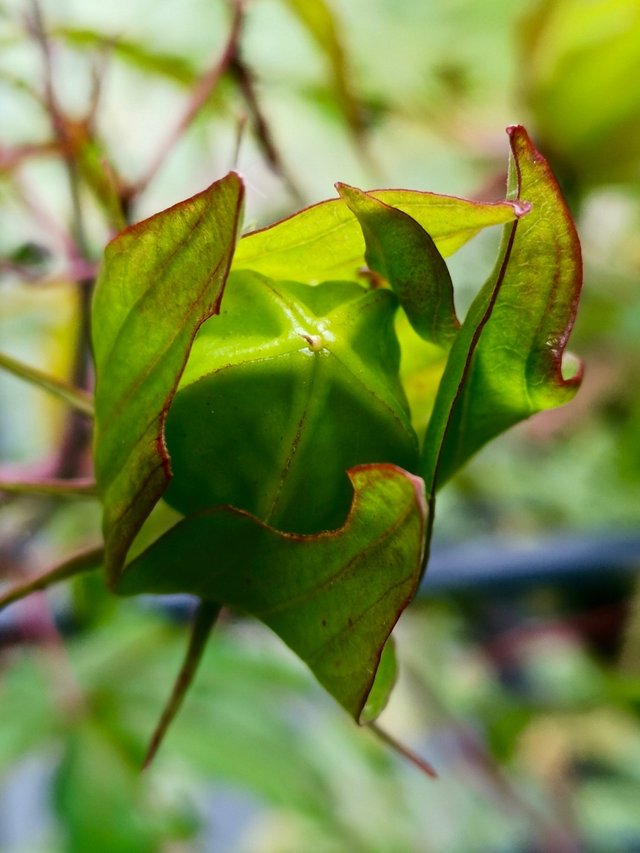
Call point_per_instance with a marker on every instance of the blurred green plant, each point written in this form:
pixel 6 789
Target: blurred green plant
pixel 580 78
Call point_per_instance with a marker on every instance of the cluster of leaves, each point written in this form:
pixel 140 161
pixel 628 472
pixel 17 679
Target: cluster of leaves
pixel 567 51
pixel 333 597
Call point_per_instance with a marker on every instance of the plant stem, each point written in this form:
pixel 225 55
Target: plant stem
pixel 78 488
pixel 84 561
pixel 404 751
pixel 74 442
pixel 205 618
pixel 79 400
pixel 200 95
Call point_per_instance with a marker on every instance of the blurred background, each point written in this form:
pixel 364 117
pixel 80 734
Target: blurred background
pixel 520 659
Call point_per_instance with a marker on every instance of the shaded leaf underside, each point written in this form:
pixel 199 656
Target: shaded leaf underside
pixel 332 597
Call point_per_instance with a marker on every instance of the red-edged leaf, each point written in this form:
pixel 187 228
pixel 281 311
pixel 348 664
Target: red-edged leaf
pixel 160 280
pixel 506 362
pixel 325 242
pixel 332 597
pixel 401 251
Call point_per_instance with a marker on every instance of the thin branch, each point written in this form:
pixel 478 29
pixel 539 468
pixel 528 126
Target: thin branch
pixel 404 751
pixel 241 127
pixel 36 27
pixel 79 488
pixel 77 434
pixel 85 561
pixel 205 619
pixel 245 82
pixel 75 440
pixel 199 97
pixel 79 400
pixel 60 126
pixel 12 157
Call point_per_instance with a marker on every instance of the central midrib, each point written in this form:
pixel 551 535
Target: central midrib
pixel 307 394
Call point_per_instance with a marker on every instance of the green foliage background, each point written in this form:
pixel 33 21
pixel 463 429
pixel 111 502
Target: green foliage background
pixel 530 717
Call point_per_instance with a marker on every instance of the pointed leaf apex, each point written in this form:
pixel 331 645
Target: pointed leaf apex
pixel 521 208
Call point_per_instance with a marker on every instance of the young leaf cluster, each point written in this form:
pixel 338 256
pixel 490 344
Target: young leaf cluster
pixel 254 384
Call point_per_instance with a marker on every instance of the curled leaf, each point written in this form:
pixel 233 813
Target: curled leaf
pixel 506 362
pixel 333 597
pixel 160 280
pixel 402 252
pixel 325 241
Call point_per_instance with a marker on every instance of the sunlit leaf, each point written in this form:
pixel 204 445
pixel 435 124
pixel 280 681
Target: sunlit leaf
pixel 332 597
pixel 325 241
pixel 506 362
pixel 160 280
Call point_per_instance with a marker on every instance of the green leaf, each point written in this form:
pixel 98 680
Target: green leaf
pixel 332 597
pixel 290 386
pixel 325 241
pixel 402 252
pixel 99 796
pixel 160 280
pixel 506 362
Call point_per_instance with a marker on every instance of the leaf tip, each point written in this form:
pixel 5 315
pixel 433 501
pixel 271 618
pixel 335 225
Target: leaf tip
pixel 236 177
pixel 347 192
pixel 571 371
pixel 522 145
pixel 518 134
pixel 521 208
